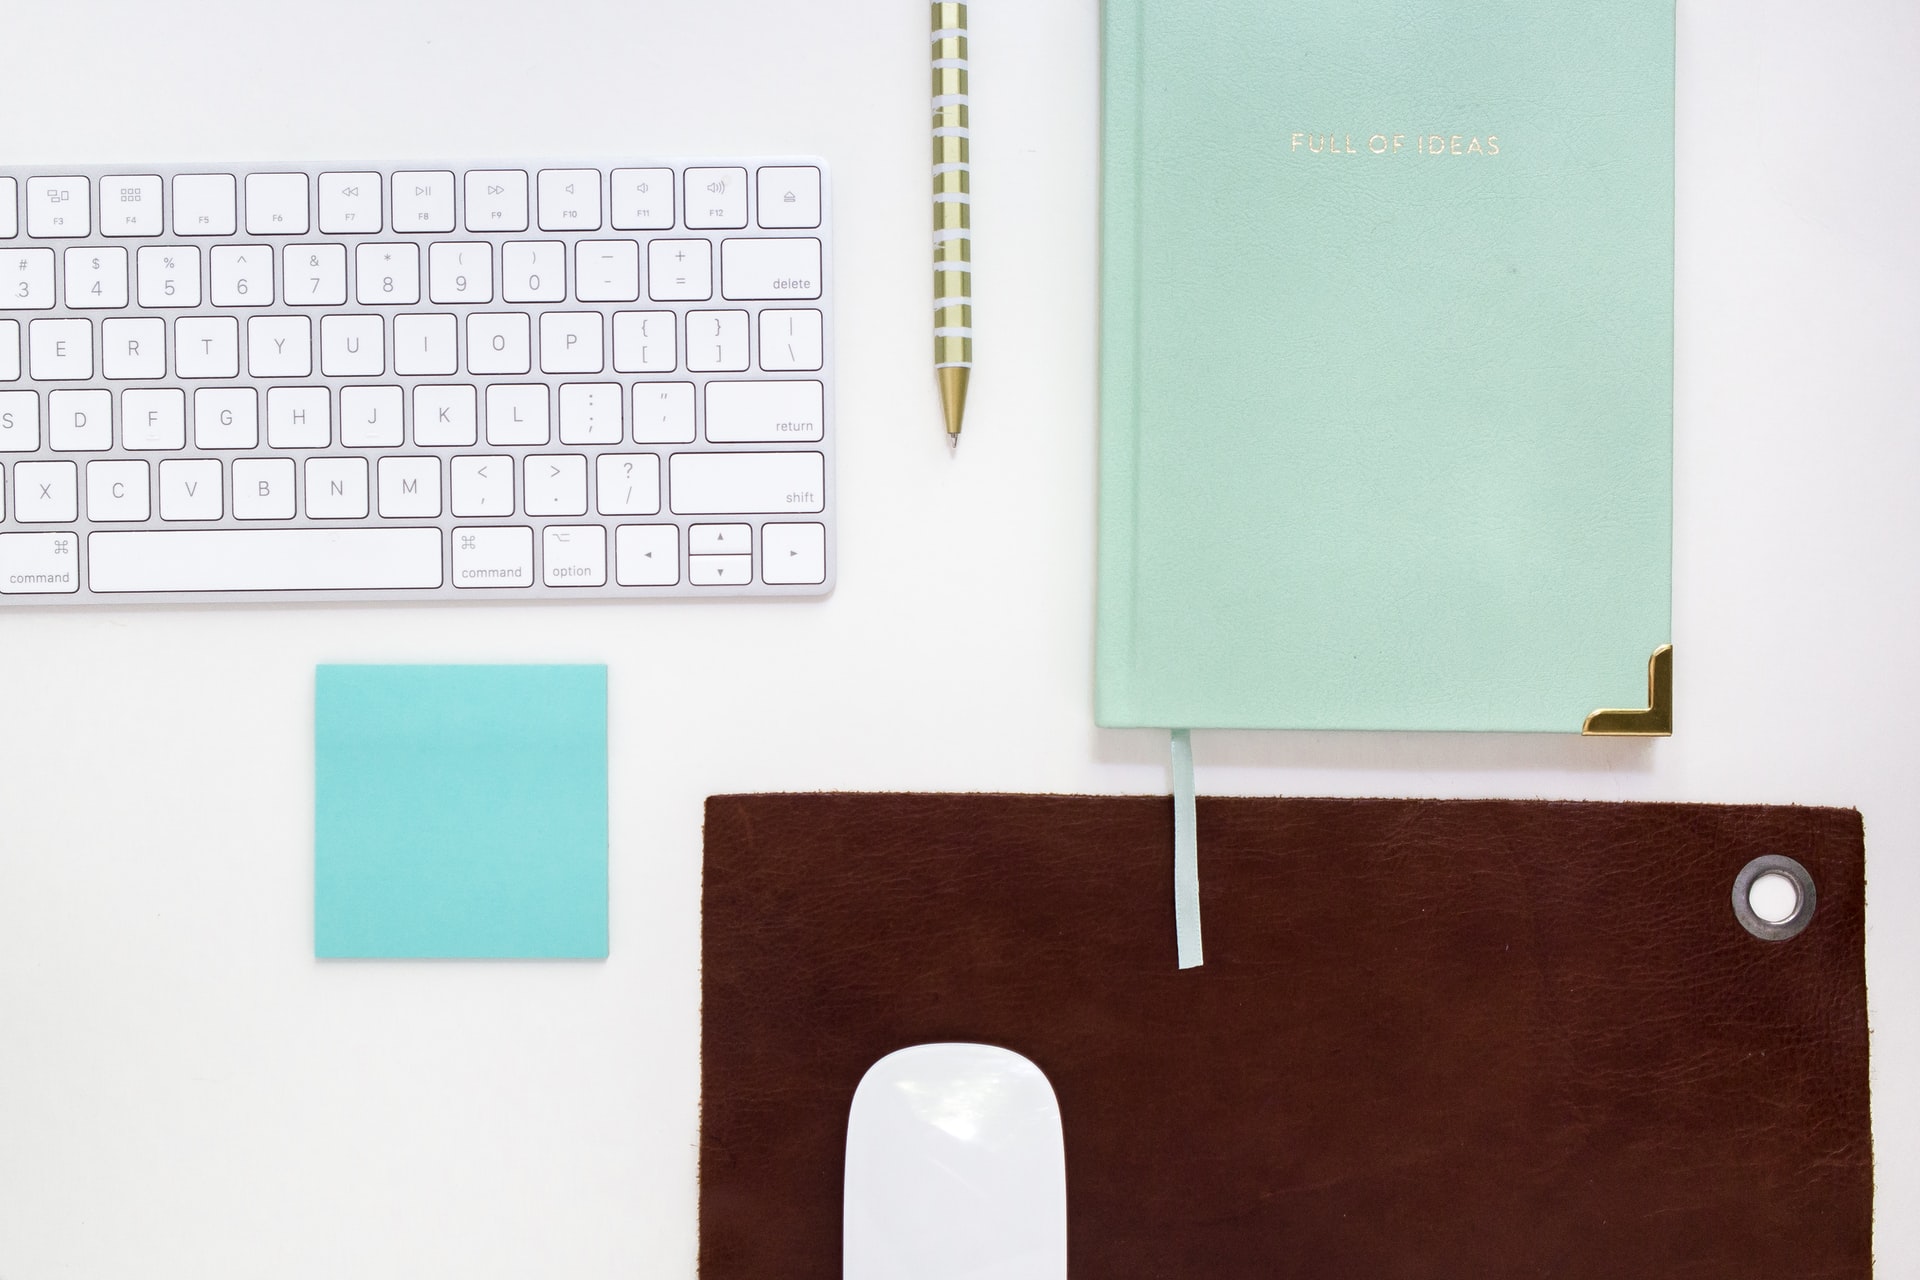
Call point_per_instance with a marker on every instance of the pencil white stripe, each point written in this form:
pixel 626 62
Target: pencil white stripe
pixel 950 100
pixel 944 32
pixel 958 331
pixel 952 233
pixel 962 167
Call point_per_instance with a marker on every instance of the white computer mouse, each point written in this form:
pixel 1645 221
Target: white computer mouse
pixel 955 1169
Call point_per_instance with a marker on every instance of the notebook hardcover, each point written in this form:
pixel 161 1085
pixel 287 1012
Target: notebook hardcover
pixel 1433 1039
pixel 1387 353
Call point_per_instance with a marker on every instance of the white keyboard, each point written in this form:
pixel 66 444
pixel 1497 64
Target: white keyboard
pixel 510 380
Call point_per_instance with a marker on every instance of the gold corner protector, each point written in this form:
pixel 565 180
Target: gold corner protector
pixel 1655 720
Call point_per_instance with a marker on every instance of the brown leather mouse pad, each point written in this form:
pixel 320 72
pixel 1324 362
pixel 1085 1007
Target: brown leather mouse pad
pixel 1431 1038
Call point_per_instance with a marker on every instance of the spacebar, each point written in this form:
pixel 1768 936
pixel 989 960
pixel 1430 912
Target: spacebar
pixel 263 560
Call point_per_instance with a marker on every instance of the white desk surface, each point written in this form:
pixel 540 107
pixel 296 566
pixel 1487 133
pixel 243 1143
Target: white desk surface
pixel 185 1092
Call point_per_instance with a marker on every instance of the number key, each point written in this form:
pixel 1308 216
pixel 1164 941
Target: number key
pixel 169 276
pixel 314 275
pixel 96 277
pixel 387 274
pixel 460 272
pixel 26 280
pixel 242 275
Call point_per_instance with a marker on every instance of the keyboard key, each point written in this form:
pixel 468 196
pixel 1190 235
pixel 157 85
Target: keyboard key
pixel 133 348
pixel 372 417
pixel 628 484
pixel 680 270
pixel 19 421
pixel 789 196
pixel 226 418
pixel 314 275
pixel 574 555
pixel 643 342
pixel 350 203
pixel 299 418
pixel 428 344
pixel 9 350
pixel 96 277
pixel 131 205
pixel 59 208
pixel 409 487
pixel 353 346
pixel 497 200
pixel 483 485
pixel 263 489
pixel 80 421
pixel 460 272
pixel 60 350
pixel 9 209
pixel 203 204
pixel 206 347
pixel 169 276
pixel 646 555
pixel 336 488
pixel 387 274
pixel 719 539
pixel 198 560
pixel 590 413
pixel 607 271
pixel 279 346
pixel 663 413
pixel 790 340
pixel 277 204
pixel 444 416
pixel 26 279
pixel 719 571
pixel 46 492
pixel 764 412
pixel 793 554
pixel 533 271
pixel 784 268
pixel 242 276
pixel 153 418
pixel 422 202
pixel 499 342
pixel 39 563
pixel 556 485
pixel 190 490
pixel 496 557
pixel 717 341
pixel 641 199
pixel 716 483
pixel 517 414
pixel 716 197
pixel 117 491
pixel 570 342
pixel 569 199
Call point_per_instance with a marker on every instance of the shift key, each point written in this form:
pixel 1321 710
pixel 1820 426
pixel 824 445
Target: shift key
pixel 759 483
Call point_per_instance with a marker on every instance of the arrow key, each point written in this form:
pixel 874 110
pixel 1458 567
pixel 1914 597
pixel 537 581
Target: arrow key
pixel 646 555
pixel 720 571
pixel 794 554
pixel 720 539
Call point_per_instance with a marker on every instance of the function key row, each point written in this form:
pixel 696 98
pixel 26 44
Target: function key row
pixel 428 202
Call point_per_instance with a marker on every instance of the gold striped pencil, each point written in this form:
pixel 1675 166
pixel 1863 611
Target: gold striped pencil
pixel 952 238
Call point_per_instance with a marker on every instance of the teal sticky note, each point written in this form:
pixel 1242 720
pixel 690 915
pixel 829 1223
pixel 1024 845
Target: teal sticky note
pixel 460 812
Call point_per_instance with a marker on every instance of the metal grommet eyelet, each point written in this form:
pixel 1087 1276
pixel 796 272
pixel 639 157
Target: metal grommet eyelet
pixel 1773 864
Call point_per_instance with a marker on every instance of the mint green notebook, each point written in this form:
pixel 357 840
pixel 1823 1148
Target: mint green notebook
pixel 1387 362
